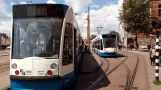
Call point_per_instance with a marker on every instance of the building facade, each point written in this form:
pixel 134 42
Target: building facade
pixel 4 41
pixel 155 14
pixel 156 9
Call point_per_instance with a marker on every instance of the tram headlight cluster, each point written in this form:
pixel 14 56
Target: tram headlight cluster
pixel 14 66
pixel 53 66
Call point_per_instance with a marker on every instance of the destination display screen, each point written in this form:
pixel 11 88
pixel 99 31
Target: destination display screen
pixel 108 36
pixel 39 10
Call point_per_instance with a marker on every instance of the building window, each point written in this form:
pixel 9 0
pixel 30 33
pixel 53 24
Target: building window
pixel 159 10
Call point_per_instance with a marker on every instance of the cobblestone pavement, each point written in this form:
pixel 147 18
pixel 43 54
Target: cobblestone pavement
pixel 150 69
pixel 117 78
pixel 90 70
pixel 4 72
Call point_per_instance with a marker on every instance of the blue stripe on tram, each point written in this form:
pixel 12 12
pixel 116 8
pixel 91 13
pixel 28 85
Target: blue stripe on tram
pixel 64 82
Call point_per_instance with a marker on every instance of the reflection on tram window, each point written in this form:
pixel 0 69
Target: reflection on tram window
pixel 109 42
pixel 36 37
pixel 68 45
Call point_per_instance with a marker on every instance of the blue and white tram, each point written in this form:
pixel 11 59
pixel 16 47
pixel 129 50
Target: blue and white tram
pixel 105 45
pixel 43 51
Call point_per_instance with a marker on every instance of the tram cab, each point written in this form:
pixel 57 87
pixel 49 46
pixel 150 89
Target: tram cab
pixel 42 53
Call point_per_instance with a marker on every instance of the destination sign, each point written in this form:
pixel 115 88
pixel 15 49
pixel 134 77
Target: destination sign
pixel 39 10
pixel 108 36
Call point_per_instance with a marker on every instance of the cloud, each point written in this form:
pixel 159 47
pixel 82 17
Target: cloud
pixel 94 6
pixel 51 2
pixel 5 19
pixel 23 2
pixel 78 5
pixel 12 3
pixel 106 17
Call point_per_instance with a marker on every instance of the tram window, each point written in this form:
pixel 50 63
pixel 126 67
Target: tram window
pixel 101 45
pixel 68 45
pixel 109 42
pixel 98 44
pixel 36 38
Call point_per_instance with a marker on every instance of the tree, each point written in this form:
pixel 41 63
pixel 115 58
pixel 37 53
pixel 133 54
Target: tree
pixel 135 17
pixel 118 35
pixel 93 36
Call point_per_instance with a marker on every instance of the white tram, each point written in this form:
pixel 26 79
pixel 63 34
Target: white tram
pixel 44 47
pixel 105 45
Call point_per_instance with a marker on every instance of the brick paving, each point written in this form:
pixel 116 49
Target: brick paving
pixel 90 63
pixel 89 71
pixel 4 73
pixel 150 70
pixel 119 76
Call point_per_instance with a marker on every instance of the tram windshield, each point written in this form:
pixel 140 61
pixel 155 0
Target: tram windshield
pixel 109 42
pixel 38 37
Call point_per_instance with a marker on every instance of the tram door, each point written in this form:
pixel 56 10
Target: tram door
pixel 75 46
pixel 67 70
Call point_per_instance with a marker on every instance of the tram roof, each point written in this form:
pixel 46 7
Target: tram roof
pixel 39 10
pixel 104 36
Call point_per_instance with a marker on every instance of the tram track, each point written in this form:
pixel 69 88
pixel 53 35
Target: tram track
pixel 130 76
pixel 4 55
pixel 4 67
pixel 105 74
pixel 4 52
pixel 99 78
pixel 130 79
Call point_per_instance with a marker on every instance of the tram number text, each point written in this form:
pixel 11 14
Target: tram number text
pixel 40 72
pixel 28 72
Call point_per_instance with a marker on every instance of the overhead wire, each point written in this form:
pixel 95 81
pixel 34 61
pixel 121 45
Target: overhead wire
pixel 15 1
pixel 27 1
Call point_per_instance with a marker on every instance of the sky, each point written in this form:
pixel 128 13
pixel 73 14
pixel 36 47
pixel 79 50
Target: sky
pixel 103 13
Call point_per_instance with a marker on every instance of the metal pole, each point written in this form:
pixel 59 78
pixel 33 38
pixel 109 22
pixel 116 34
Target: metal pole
pixel 88 27
pixel 157 57
pixel 98 30
pixel 119 35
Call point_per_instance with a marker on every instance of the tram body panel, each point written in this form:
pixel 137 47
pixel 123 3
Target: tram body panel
pixel 63 69
pixel 24 66
pixel 67 70
pixel 37 65
pixel 41 66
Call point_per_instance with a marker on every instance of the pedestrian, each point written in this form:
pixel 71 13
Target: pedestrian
pixel 137 46
pixel 131 46
pixel 150 53
pixel 149 47
pixel 153 56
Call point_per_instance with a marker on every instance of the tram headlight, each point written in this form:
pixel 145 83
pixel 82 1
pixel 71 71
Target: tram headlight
pixel 53 66
pixel 14 66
